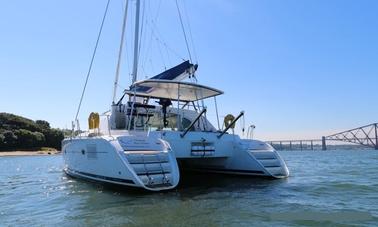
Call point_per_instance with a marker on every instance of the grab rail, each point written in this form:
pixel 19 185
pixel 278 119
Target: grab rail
pixel 193 122
pixel 231 124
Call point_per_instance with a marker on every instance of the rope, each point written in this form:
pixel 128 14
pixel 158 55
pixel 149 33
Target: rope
pixel 126 43
pixel 183 30
pixel 147 48
pixel 93 56
pixel 190 33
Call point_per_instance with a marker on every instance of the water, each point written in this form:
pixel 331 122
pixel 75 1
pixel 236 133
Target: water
pixel 325 188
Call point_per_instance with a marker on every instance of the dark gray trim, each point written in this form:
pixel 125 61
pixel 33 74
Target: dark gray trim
pixel 118 180
pixel 230 170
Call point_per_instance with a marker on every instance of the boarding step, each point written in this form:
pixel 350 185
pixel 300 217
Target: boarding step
pixel 141 158
pixel 275 171
pixel 202 153
pixel 270 162
pixel 153 180
pixel 161 185
pixel 260 155
pixel 152 167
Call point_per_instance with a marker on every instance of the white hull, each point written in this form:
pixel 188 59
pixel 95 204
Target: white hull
pixel 150 162
pixel 130 160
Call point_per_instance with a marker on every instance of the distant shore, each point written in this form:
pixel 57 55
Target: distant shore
pixel 27 153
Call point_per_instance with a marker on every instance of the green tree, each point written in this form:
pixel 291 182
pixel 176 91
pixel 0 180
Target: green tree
pixel 54 138
pixel 19 132
pixel 44 125
pixel 28 139
pixel 2 140
pixel 9 141
pixel 13 122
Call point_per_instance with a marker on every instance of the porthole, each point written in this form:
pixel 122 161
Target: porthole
pixel 83 151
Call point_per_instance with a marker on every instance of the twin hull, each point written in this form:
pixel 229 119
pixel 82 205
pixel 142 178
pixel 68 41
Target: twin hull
pixel 150 162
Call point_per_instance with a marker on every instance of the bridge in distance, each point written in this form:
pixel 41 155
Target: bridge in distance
pixel 366 136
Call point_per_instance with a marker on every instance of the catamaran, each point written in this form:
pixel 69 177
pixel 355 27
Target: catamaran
pixel 159 127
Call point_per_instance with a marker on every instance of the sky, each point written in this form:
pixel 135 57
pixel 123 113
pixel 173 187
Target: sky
pixel 299 69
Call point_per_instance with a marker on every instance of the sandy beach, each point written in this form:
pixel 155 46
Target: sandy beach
pixel 27 153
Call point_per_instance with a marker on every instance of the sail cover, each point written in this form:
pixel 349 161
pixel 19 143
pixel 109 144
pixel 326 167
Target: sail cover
pixel 173 90
pixel 179 72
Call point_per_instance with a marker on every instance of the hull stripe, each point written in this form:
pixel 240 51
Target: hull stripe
pixel 102 177
pixel 231 170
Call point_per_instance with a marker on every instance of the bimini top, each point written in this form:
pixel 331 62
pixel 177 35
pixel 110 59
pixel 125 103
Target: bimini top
pixel 172 89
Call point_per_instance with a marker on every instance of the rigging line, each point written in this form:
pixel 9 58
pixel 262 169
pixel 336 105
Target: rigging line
pixel 121 87
pixel 161 54
pixel 120 52
pixel 169 59
pixel 127 58
pixel 190 32
pixel 92 59
pixel 158 11
pixel 183 30
pixel 144 71
pixel 143 49
pixel 127 45
pixel 156 34
pixel 152 65
pixel 148 49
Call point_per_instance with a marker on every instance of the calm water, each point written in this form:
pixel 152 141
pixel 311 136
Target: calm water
pixel 325 188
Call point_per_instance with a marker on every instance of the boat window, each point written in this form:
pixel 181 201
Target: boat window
pixel 186 123
pixel 156 122
pixel 137 123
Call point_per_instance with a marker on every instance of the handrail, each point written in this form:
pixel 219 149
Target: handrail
pixel 231 124
pixel 193 122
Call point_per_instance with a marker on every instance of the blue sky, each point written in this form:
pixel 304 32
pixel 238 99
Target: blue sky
pixel 300 69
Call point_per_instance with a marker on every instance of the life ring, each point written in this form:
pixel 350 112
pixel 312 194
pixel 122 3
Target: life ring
pixel 228 119
pixel 94 120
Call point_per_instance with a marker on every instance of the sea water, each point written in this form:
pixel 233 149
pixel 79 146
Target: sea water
pixel 328 188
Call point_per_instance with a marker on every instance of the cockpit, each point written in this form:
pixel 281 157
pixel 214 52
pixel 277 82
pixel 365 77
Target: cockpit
pixel 164 105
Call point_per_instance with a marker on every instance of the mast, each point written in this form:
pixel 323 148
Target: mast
pixel 136 42
pixel 120 52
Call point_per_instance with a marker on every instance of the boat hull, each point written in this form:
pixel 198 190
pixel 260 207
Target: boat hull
pixel 118 161
pixel 151 161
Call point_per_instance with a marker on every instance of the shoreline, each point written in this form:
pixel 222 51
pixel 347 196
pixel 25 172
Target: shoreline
pixel 27 153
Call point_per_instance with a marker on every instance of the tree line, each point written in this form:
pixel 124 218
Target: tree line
pixel 17 132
